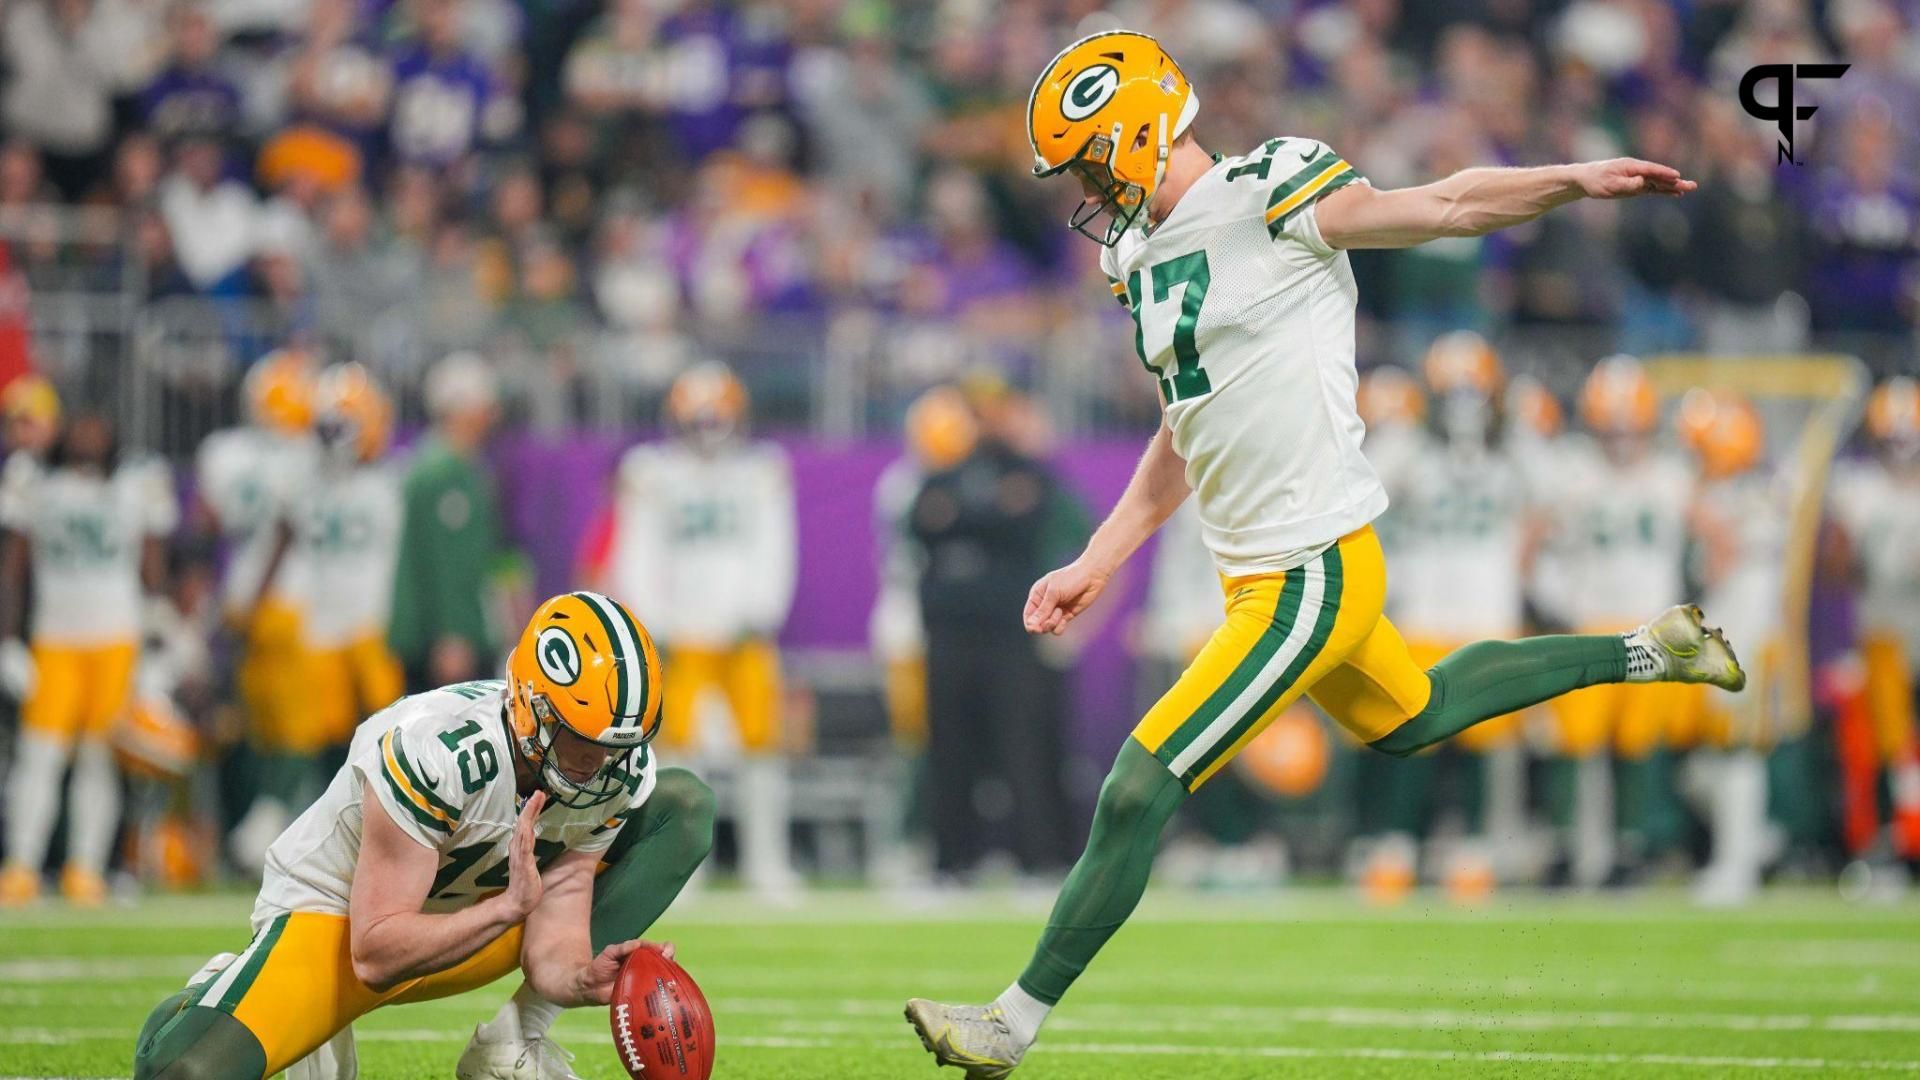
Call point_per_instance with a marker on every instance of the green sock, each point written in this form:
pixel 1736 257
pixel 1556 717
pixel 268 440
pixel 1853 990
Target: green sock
pixel 657 850
pixel 1136 802
pixel 1493 678
pixel 196 1041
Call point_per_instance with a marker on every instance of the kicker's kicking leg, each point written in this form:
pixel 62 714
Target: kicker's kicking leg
pixel 1137 801
pixel 1492 678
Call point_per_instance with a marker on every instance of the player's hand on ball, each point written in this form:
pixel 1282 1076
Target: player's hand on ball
pixel 1623 178
pixel 1058 598
pixel 524 887
pixel 594 984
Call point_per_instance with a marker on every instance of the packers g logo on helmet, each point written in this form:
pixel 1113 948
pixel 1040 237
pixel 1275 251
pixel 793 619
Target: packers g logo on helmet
pixel 1088 91
pixel 559 656
pixel 1108 109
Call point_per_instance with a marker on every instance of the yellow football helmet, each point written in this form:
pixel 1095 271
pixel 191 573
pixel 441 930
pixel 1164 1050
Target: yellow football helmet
pixel 583 692
pixel 941 428
pixel 1723 430
pixel 707 403
pixel 1618 398
pixel 1108 108
pixel 1389 396
pixel 1893 410
pixel 31 397
pixel 1463 361
pixel 278 391
pixel 1533 405
pixel 354 414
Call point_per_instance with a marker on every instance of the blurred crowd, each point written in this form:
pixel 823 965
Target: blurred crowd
pixel 609 187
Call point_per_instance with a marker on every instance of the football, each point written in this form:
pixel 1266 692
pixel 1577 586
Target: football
pixel 662 1028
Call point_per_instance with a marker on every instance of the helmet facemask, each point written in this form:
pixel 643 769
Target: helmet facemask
pixel 1123 201
pixel 575 771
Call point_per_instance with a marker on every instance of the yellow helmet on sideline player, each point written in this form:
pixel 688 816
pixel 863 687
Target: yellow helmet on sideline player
pixel 941 428
pixel 1618 398
pixel 1388 396
pixel 1108 107
pixel 278 391
pixel 1462 360
pixel 1723 430
pixel 707 403
pixel 354 412
pixel 583 692
pixel 1535 407
pixel 1893 410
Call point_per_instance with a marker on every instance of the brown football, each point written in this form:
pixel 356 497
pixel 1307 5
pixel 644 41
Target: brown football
pixel 662 1028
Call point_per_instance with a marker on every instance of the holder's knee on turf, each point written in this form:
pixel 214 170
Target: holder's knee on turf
pixel 199 1044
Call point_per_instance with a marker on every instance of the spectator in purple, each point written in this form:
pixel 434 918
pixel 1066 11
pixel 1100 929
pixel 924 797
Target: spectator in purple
pixel 336 80
pixel 190 95
pixel 446 100
pixel 1866 231
pixel 728 62
pixel 968 273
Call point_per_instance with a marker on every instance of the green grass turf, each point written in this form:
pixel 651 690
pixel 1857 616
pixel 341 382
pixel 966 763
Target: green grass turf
pixel 1299 984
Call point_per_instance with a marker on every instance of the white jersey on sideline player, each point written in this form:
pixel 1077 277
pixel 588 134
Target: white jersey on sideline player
pixel 350 539
pixel 1622 529
pixel 704 545
pixel 254 479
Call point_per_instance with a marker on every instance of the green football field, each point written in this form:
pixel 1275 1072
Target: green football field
pixel 1299 984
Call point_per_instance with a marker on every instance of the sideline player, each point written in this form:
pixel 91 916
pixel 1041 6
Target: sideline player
pixel 1236 274
pixel 350 533
pixel 461 840
pixel 92 528
pixel 704 548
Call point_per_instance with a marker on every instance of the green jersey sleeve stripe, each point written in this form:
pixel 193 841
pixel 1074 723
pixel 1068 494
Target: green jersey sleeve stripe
pixel 1302 178
pixel 1279 224
pixel 400 796
pixel 413 779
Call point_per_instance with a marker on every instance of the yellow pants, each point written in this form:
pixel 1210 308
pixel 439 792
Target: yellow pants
pixel 907 700
pixel 275 682
pixel 1889 695
pixel 80 691
pixel 294 988
pixel 1631 719
pixel 350 684
pixel 747 675
pixel 1315 630
pixel 1487 734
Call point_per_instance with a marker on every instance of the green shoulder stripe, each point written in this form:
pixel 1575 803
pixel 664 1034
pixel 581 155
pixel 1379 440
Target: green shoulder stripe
pixel 413 777
pixel 1277 222
pixel 1309 169
pixel 400 796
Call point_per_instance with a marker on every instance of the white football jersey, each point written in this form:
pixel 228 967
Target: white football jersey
pixel 1246 318
pixel 86 533
pixel 1745 593
pixel 441 766
pixel 254 479
pixel 1622 533
pixel 1881 513
pixel 1458 529
pixel 350 541
pixel 893 628
pixel 705 550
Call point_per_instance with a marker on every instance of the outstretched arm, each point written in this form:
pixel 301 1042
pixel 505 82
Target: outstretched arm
pixel 1158 487
pixel 1474 202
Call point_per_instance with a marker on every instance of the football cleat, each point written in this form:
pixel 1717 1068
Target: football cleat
pixel 82 887
pixel 495 1054
pixel 18 886
pixel 974 1038
pixel 1689 651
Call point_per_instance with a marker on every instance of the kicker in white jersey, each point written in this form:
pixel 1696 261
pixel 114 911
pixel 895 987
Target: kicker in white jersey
pixel 1236 288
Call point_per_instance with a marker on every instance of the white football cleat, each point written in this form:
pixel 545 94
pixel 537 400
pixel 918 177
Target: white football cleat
pixel 337 1059
pixel 973 1038
pixel 496 1053
pixel 1688 650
